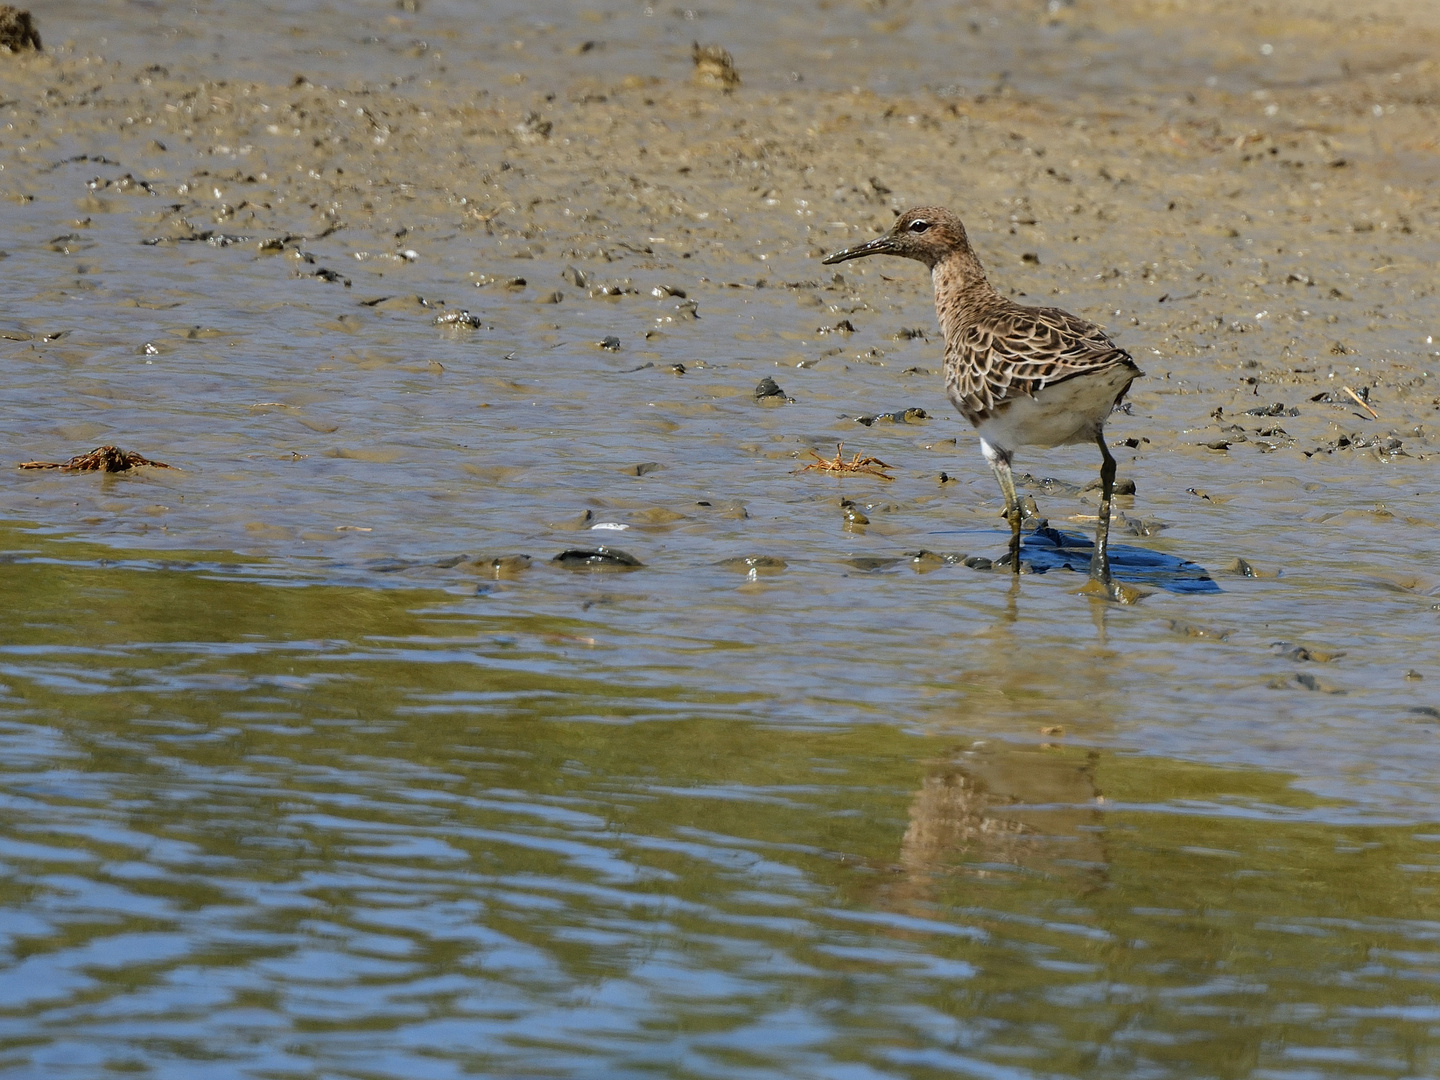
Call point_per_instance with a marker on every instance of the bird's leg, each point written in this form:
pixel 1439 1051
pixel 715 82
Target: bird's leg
pixel 999 460
pixel 1100 560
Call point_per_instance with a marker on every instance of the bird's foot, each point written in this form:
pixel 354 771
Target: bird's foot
pixel 1115 591
pixel 1007 562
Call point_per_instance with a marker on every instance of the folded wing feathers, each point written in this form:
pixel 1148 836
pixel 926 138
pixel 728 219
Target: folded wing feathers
pixel 1023 350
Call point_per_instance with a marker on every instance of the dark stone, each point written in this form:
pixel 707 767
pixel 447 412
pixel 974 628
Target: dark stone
pixel 769 388
pixel 871 562
pixel 600 558
pixel 17 30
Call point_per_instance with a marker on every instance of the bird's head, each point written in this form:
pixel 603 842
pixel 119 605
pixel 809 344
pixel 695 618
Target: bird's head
pixel 924 233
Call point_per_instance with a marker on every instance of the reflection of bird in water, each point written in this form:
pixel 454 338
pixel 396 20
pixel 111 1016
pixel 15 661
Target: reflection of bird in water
pixel 1022 375
pixel 972 814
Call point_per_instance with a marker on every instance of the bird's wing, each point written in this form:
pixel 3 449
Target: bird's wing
pixel 1023 350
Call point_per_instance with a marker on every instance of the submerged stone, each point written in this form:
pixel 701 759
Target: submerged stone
pixel 754 564
pixel 600 558
pixel 768 392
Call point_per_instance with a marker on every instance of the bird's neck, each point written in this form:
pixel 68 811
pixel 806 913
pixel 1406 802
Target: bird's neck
pixel 961 290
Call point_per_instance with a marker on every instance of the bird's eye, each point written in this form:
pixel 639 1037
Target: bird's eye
pixel 919 225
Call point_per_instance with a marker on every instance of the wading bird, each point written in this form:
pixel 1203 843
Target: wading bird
pixel 1024 376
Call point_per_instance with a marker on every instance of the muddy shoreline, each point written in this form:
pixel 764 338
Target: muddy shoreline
pixel 1251 249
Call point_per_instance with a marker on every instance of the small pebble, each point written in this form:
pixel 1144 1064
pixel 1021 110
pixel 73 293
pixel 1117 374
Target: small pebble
pixel 600 558
pixel 754 564
pixel 1123 485
pixel 767 391
pixel 871 562
pixel 508 566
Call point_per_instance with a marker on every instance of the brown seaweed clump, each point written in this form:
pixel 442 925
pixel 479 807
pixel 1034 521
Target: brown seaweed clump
pixel 838 466
pixel 714 67
pixel 101 459
pixel 17 30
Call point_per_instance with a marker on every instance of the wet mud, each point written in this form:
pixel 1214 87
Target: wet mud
pixel 395 290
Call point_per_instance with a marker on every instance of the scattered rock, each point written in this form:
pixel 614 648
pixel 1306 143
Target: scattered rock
pixel 683 311
pixel 768 392
pixel 533 129
pixel 714 67
pixel 872 562
pixel 18 33
pixel 1195 630
pixel 1243 568
pixel 901 416
pixel 732 509
pixel 923 561
pixel 1123 485
pixel 1277 409
pixel 1304 654
pixel 461 319
pixel 600 558
pixel 1310 682
pixel 613 289
pixel 754 565
pixel 506 566
pixel 1139 526
pixel 1048 485
pixel 610 343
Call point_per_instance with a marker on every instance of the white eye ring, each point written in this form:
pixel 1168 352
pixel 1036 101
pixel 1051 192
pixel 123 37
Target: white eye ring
pixel 919 225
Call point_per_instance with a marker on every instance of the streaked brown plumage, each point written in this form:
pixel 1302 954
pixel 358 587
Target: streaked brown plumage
pixel 1022 375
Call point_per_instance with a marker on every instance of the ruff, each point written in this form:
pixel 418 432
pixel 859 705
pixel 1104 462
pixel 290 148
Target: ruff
pixel 1023 376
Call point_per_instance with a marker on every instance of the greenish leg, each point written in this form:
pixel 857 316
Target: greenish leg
pixel 1100 560
pixel 1000 462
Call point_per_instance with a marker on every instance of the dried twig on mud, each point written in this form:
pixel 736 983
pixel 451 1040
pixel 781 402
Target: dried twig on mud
pixel 101 459
pixel 1361 402
pixel 838 466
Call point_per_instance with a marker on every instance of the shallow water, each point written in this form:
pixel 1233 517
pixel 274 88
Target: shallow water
pixel 298 783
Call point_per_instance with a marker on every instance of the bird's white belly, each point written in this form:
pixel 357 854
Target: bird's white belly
pixel 1072 411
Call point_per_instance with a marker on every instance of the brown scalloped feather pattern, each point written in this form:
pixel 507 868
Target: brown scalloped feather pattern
pixel 996 349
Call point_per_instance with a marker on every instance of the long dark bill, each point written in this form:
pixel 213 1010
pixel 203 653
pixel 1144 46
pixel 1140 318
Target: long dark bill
pixel 881 245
